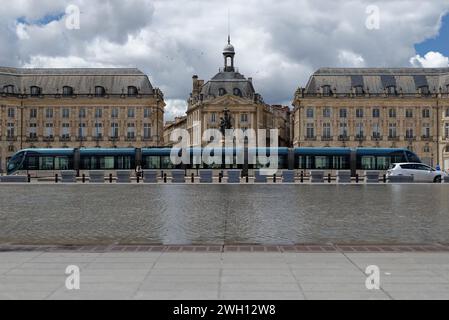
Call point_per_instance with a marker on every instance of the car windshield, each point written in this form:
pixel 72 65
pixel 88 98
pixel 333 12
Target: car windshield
pixel 392 166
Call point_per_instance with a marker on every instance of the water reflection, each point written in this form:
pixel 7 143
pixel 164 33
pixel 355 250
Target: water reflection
pixel 218 214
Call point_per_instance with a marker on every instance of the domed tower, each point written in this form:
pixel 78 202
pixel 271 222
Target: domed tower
pixel 229 54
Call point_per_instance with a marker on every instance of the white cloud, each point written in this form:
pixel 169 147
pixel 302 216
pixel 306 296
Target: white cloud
pixel 174 108
pixel 430 60
pixel 278 43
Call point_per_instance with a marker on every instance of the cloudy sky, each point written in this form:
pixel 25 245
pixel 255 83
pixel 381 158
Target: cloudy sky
pixel 279 43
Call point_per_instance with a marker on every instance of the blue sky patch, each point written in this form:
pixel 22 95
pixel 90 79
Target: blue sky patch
pixel 438 44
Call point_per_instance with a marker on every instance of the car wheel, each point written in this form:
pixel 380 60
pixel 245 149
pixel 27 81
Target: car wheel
pixel 437 179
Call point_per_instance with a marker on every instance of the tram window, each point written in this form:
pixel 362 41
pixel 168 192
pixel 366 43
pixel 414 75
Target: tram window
pixel 106 163
pixel 46 163
pixel 33 163
pixel 166 162
pixel 124 162
pixel 412 157
pixel 322 162
pixel 383 163
pixel 341 163
pixel 152 162
pixel 62 163
pixel 368 163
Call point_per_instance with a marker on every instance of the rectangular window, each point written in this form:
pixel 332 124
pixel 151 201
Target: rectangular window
pixel 114 130
pixel 33 113
pixel 376 113
pixel 392 113
pixel 213 117
pixel 49 130
pixel 244 117
pixel 114 113
pixel 11 112
pixel 310 131
pixel 426 113
pixel 65 131
pixel 392 130
pixel 32 131
pixel 147 131
pixel 131 112
pixel 409 134
pixel 309 113
pixel 327 130
pixel 446 130
pixel 343 130
pixel 147 113
pixel 98 113
pixel 359 113
pixel 131 133
pixel 409 113
pixel 49 113
pixel 98 130
pixel 359 131
pixel 376 131
pixel 82 113
pixel 66 113
pixel 343 113
pixel 326 113
pixel 426 130
pixel 82 130
pixel 10 130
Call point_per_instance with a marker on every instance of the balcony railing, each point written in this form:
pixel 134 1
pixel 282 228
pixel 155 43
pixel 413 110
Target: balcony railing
pixel 343 138
pixel 393 138
pixel 130 139
pixel 376 137
pixel 310 139
pixel 10 138
pixel 114 139
pixel 327 138
pixel 426 138
pixel 65 139
pixel 81 138
pixel 32 139
pixel 360 137
pixel 49 139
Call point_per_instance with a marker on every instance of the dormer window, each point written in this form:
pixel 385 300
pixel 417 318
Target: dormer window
pixel 358 91
pixel 35 91
pixel 424 90
pixel 132 91
pixel 237 92
pixel 67 91
pixel 326 91
pixel 391 90
pixel 100 91
pixel 221 92
pixel 9 89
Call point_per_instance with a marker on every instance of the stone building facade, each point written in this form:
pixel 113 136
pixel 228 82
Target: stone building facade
pixel 170 126
pixel 229 90
pixel 76 108
pixel 390 108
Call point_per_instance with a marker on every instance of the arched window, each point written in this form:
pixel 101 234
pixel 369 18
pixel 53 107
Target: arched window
pixel 35 91
pixel 391 90
pixel 132 91
pixel 221 92
pixel 100 91
pixel 326 90
pixel 9 89
pixel 67 91
pixel 237 92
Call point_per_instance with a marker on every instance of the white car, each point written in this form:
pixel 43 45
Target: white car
pixel 420 172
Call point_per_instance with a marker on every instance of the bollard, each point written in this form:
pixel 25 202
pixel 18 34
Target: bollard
pixel 193 178
pixel 56 178
pixel 274 178
pixel 302 177
pixel 247 179
pixel 220 177
pixel 356 178
pixel 329 178
pixel 29 178
pixel 138 178
pixel 385 178
pixel 165 178
pixel 84 178
pixel 110 178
